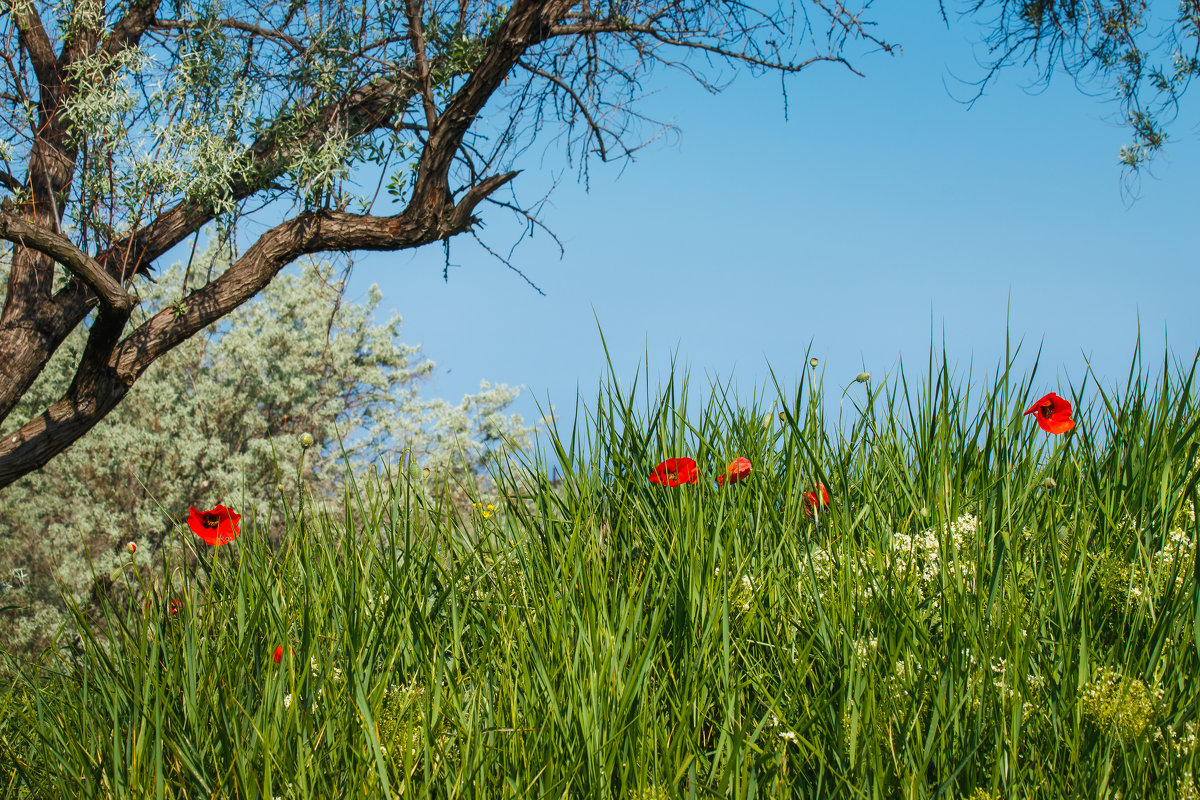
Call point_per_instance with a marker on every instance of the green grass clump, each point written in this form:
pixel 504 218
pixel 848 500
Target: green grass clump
pixel 981 611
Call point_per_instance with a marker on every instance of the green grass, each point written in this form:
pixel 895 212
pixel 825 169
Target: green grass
pixel 983 611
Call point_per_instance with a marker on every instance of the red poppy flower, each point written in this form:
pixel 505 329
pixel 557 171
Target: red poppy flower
pixel 278 654
pixel 812 504
pixel 174 607
pixel 216 527
pixel 1053 414
pixel 737 469
pixel 675 471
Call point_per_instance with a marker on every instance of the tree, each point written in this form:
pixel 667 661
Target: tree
pixel 138 123
pixel 220 419
pixel 1148 60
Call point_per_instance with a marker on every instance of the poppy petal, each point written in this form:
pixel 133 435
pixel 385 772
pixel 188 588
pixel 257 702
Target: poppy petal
pixel 739 468
pixel 216 526
pixel 675 471
pixel 812 504
pixel 1052 414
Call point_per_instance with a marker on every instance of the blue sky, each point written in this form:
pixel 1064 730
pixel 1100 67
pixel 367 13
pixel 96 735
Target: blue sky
pixel 885 214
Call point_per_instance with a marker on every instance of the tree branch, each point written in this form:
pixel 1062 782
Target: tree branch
pixel 233 24
pixel 129 29
pixel 63 250
pixel 417 38
pixel 363 111
pixel 527 24
pixel 583 109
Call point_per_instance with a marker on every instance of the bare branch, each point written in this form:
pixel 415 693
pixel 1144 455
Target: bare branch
pixel 595 128
pixel 508 263
pixel 413 8
pixel 234 24
pixel 592 28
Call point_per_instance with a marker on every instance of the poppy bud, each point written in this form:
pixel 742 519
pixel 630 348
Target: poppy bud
pixel 306 440
pixel 862 377
pixel 1049 483
pixel 131 547
pixel 812 362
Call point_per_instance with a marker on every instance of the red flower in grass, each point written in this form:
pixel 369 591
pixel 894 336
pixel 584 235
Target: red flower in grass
pixel 174 607
pixel 218 526
pixel 1053 414
pixel 737 469
pixel 278 654
pixel 813 504
pixel 675 471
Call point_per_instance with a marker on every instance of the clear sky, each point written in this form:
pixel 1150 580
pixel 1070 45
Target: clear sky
pixel 882 216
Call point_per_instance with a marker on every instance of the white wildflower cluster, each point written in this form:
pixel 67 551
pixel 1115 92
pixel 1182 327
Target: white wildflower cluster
pixel 864 651
pixel 905 673
pixel 827 573
pixel 1123 705
pixel 775 724
pixel 1003 681
pixel 314 666
pixel 1175 559
pixel 927 555
pixel 1183 744
pixel 741 594
pixel 822 565
pixel 333 676
pixel 1185 788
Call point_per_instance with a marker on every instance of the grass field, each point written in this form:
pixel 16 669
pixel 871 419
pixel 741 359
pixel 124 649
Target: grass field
pixel 982 610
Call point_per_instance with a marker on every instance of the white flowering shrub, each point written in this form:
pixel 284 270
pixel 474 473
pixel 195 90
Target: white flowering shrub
pixel 223 419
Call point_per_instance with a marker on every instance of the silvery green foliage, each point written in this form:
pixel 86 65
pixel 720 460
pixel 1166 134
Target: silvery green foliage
pixel 219 420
